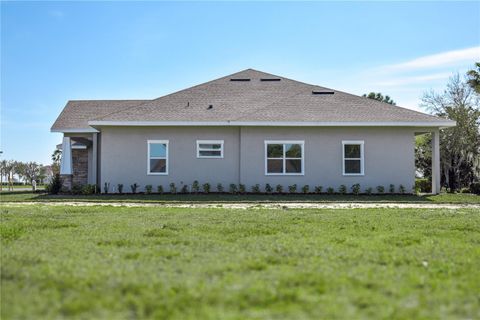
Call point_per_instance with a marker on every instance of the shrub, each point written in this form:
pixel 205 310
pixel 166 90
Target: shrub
pixel 241 188
pixel 55 185
pixel 206 187
pixel 391 188
pixel 256 188
pixel 148 188
pixel 233 188
pixel 380 189
pixel 356 189
pixel 279 188
pixel 219 187
pixel 160 189
pixel 134 187
pixel 342 189
pixel 173 188
pixel 369 190
pixel 77 189
pixel 89 189
pixel 330 190
pixel 292 188
pixel 120 188
pixel 195 187
pixel 401 189
pixel 268 188
pixel 184 189
pixel 306 188
pixel 318 189
pixel 106 187
pixel 475 187
pixel 423 185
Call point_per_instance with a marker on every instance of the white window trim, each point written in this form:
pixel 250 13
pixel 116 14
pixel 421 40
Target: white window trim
pixel 362 157
pixel 148 158
pixel 220 142
pixel 300 142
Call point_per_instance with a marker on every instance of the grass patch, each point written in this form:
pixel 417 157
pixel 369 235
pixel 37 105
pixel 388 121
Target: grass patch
pixel 142 263
pixel 249 198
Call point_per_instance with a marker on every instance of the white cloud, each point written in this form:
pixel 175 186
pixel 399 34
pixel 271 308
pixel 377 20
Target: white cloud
pixel 402 81
pixel 443 59
pixel 56 14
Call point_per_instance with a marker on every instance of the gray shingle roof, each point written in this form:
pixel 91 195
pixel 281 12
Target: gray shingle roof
pixel 248 101
pixel 77 113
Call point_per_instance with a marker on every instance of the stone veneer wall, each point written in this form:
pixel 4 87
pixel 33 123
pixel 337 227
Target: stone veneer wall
pixel 79 169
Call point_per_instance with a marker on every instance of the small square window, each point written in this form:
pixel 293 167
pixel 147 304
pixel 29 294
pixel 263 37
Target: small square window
pixel 284 157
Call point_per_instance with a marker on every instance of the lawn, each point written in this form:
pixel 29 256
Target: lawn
pixel 248 198
pixel 171 263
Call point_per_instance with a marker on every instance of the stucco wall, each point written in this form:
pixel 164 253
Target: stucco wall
pixel 389 156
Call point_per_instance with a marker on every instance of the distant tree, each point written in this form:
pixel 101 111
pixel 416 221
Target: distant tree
pixel 459 145
pixel 473 78
pixel 378 96
pixel 56 158
pixel 32 171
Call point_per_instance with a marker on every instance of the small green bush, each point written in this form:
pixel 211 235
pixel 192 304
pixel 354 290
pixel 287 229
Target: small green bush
pixel 77 189
pixel 173 188
pixel 148 189
pixel 292 188
pixel 242 189
pixel 465 190
pixel 318 189
pixel 475 187
pixel 120 188
pixel 391 188
pixel 369 190
pixel 184 189
pixel 220 187
pixel 89 189
pixel 401 189
pixel 233 188
pixel 268 188
pixel 256 188
pixel 279 188
pixel 423 185
pixel 342 189
pixel 380 189
pixel 206 187
pixel 356 189
pixel 330 190
pixel 306 189
pixel 134 187
pixel 195 187
pixel 55 185
pixel 106 187
pixel 160 189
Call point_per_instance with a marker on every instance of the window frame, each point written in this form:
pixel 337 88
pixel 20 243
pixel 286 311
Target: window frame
pixel 284 158
pixel 149 142
pixel 361 143
pixel 220 142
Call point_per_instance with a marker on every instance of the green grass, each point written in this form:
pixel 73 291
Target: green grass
pixel 168 198
pixel 171 263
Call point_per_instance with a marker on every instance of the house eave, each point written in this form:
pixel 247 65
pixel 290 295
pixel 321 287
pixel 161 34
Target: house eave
pixel 436 124
pixel 75 130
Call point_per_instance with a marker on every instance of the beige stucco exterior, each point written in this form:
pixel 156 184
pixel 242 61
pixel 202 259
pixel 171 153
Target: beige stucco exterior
pixel 388 155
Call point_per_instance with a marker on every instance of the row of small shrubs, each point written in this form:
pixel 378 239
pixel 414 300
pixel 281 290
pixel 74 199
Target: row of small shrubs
pixel 206 188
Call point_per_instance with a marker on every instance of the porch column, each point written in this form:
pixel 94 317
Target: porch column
pixel 436 162
pixel 94 158
pixel 66 161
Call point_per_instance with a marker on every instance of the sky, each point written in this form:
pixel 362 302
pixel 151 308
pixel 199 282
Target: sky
pixel 52 52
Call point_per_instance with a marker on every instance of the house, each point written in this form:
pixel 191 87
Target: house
pixel 246 128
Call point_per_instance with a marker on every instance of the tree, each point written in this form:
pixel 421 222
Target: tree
pixel 378 96
pixel 56 158
pixel 473 78
pixel 459 145
pixel 32 171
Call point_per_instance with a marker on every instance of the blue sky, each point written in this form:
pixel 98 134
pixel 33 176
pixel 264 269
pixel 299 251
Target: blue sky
pixel 55 51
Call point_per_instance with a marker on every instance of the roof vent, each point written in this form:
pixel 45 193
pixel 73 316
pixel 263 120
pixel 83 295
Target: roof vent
pixel 270 79
pixel 210 106
pixel 239 79
pixel 322 92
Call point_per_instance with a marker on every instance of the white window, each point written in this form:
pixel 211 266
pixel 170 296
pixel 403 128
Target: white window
pixel 284 158
pixel 209 148
pixel 157 157
pixel 353 159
